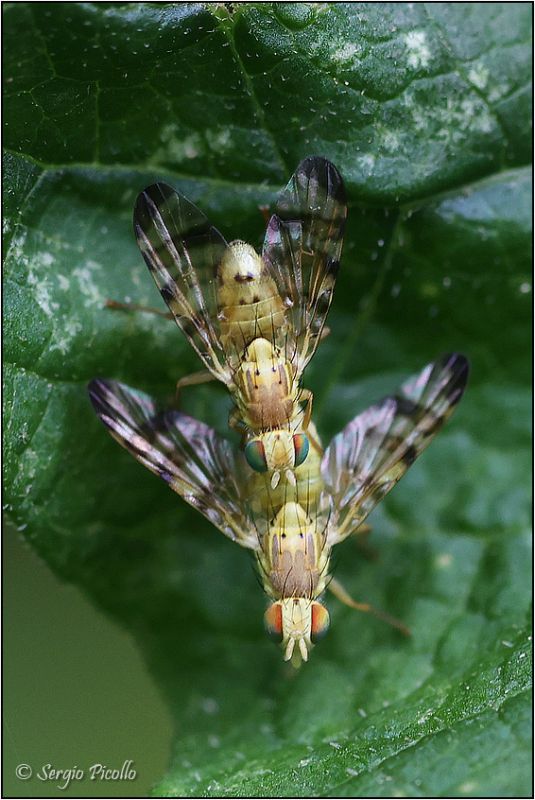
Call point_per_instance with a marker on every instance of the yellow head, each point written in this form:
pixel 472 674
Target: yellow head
pixel 296 623
pixel 276 452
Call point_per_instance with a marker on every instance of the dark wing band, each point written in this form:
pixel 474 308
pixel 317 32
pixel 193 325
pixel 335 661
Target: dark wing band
pixel 303 246
pixel 182 251
pixel 187 454
pixel 374 450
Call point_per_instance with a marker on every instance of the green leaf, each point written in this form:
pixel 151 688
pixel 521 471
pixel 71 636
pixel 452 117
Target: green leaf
pixel 425 110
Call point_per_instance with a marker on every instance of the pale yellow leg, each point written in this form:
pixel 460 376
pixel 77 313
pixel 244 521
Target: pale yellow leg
pixel 236 423
pixel 338 590
pixel 363 529
pixel 306 397
pixel 116 306
pixel 203 376
pixel 266 214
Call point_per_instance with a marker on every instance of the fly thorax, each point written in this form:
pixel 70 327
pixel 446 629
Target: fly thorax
pixel 249 303
pixel 262 352
pixel 266 394
pixel 293 553
pixel 293 518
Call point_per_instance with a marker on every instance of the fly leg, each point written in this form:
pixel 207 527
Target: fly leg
pixel 203 376
pixel 236 423
pixel 306 396
pixel 116 306
pixel 264 210
pixel 338 590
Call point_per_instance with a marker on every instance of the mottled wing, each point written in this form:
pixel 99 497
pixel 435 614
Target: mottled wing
pixel 182 251
pixel 374 450
pixel 188 455
pixel 302 247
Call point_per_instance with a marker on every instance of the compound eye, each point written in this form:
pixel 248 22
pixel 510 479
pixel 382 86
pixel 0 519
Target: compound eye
pixel 256 455
pixel 320 622
pixel 273 622
pixel 301 448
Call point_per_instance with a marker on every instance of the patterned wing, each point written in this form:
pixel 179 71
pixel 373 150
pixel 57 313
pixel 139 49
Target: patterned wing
pixel 188 455
pixel 303 246
pixel 374 450
pixel 182 251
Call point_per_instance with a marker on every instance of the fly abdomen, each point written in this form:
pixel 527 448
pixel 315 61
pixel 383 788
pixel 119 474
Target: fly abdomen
pixel 293 558
pixel 265 387
pixel 241 324
pixel 249 302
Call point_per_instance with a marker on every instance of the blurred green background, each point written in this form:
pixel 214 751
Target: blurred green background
pixel 76 690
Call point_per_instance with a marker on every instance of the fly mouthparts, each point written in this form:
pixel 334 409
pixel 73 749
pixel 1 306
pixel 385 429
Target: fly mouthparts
pixel 275 479
pixel 304 649
pixel 290 477
pixel 288 653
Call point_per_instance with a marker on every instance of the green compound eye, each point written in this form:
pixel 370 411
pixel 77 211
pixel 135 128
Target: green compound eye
pixel 256 456
pixel 301 448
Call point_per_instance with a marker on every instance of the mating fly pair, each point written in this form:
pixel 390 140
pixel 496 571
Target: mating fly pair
pixel 255 321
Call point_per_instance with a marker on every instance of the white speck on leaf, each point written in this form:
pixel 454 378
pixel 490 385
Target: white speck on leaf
pixel 366 163
pixel 62 338
pixel 42 295
pixel 219 140
pixel 419 54
pixel 336 745
pixel 30 459
pixel 468 787
pixel 46 259
pixel 444 560
pixel 177 148
pixel 425 716
pixel 498 91
pixel 346 52
pixel 389 141
pixel 87 285
pixel 479 76
pixel 449 123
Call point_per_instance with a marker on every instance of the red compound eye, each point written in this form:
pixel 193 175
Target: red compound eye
pixel 301 448
pixel 320 622
pixel 273 622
